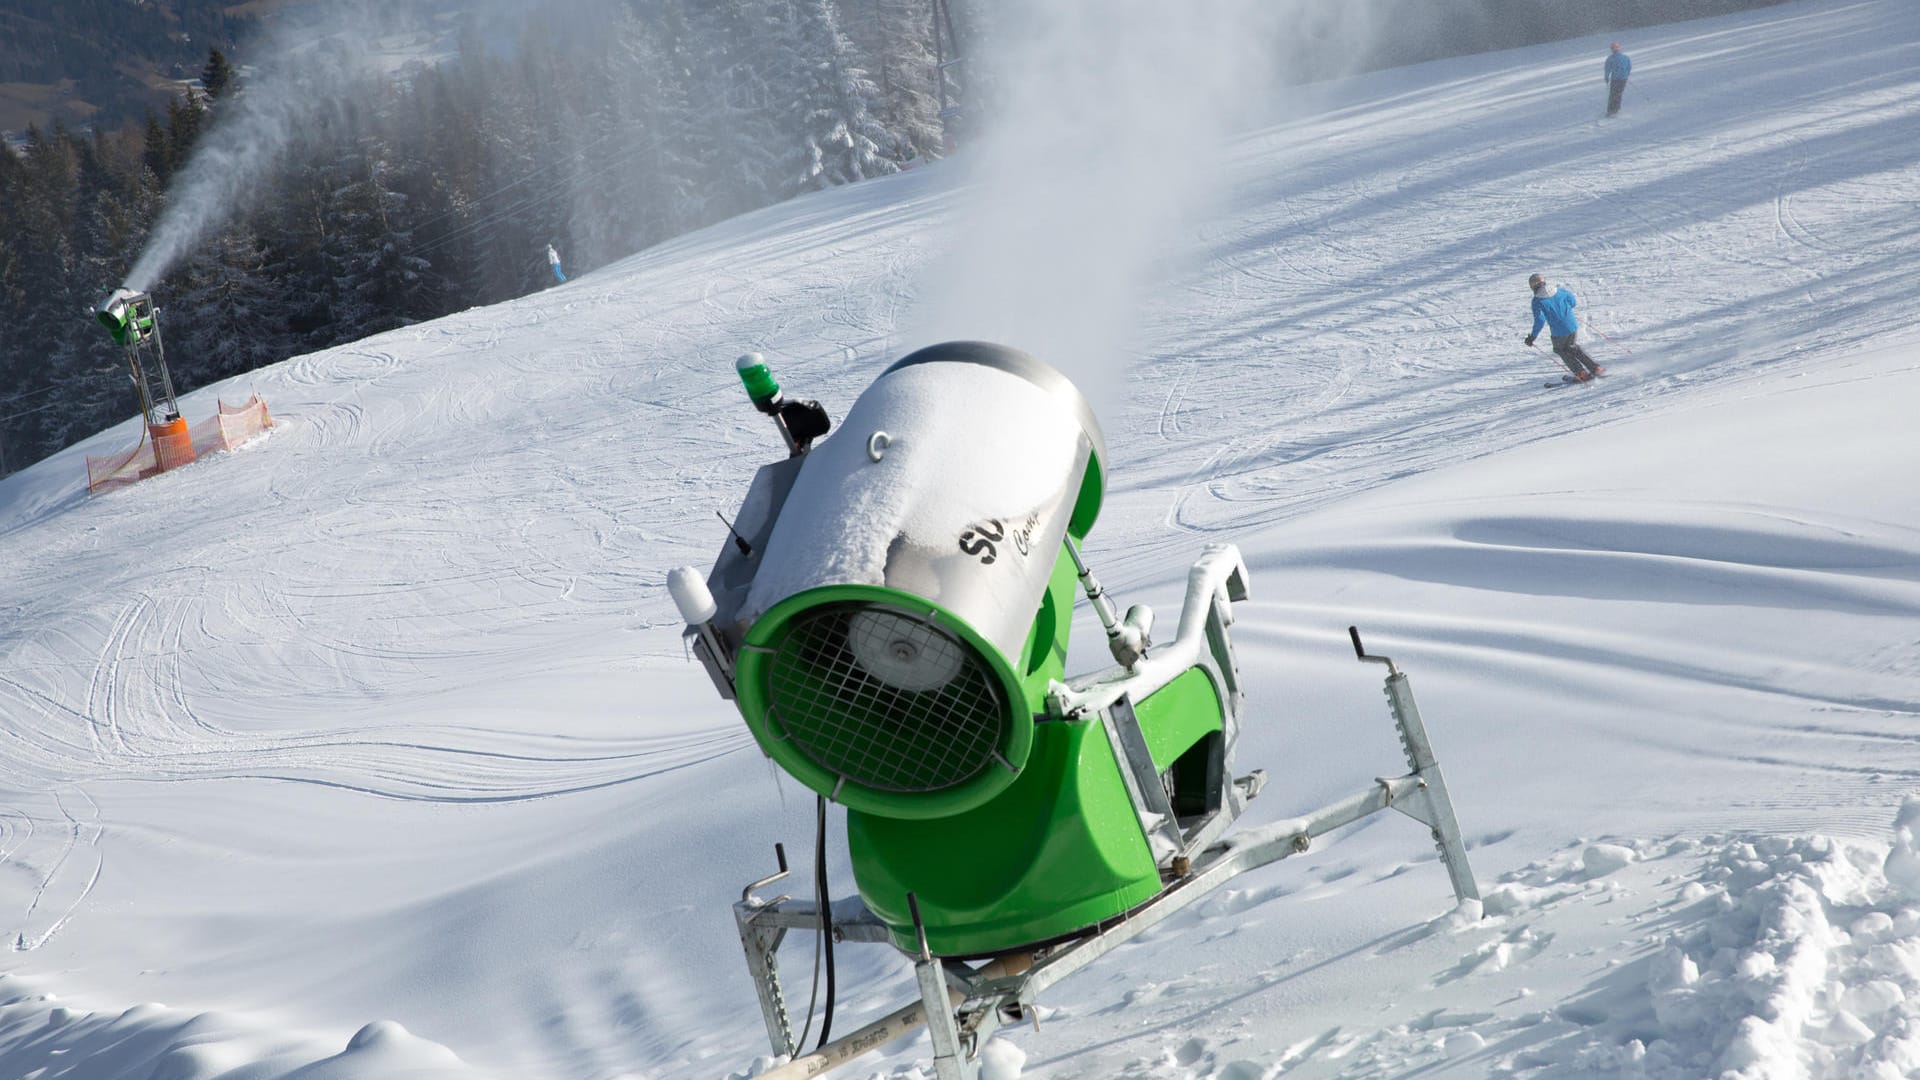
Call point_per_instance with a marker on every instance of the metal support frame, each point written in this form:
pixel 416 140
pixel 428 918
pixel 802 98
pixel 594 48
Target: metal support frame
pixel 1436 810
pixel 951 1049
pixel 156 390
pixel 1217 580
pixel 761 940
pixel 963 1005
pixel 134 322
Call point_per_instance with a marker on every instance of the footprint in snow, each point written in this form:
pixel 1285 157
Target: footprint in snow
pixel 1515 947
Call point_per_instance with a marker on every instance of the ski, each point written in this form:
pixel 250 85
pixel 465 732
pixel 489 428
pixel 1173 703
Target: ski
pixel 1567 380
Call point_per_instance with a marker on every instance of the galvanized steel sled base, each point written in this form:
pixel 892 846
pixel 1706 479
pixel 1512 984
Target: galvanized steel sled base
pixel 962 1002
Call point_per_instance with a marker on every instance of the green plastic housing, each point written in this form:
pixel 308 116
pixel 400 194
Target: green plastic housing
pixel 1060 851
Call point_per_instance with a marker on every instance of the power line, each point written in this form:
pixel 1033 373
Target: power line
pixel 28 394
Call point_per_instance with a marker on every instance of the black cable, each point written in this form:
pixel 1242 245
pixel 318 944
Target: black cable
pixel 826 912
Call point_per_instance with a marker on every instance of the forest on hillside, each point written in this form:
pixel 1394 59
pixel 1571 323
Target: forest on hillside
pixel 598 126
pixel 105 55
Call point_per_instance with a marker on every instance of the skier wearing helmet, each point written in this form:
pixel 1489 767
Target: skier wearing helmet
pixel 1615 73
pixel 1553 308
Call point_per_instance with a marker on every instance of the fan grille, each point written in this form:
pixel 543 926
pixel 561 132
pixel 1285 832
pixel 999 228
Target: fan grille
pixel 857 724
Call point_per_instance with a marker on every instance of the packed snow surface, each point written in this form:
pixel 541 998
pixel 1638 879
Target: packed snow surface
pixel 372 749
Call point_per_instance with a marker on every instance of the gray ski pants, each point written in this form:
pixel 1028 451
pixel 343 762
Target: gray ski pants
pixel 1572 355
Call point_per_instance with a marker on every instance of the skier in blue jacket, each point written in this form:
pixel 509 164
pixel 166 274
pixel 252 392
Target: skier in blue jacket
pixel 1553 308
pixel 1615 73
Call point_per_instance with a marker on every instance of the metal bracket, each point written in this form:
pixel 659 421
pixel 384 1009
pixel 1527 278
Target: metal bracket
pixel 1138 772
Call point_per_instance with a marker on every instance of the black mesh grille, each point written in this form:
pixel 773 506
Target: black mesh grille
pixel 885 698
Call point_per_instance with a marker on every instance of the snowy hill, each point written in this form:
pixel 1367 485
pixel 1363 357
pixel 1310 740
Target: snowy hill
pixel 372 750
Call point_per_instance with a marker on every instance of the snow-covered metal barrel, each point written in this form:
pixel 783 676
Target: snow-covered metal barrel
pixel 911 600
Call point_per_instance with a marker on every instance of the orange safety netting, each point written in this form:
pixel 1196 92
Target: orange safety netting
pixel 174 445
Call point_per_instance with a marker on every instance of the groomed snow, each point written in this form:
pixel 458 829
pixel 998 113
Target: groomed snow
pixel 372 750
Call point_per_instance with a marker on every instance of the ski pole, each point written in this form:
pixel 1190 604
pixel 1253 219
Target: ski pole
pixel 1608 340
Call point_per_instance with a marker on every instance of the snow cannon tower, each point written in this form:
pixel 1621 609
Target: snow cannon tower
pixel 134 323
pixel 891 616
pixel 168 443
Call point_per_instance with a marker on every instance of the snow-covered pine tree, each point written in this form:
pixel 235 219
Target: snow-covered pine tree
pixel 390 285
pixel 637 168
pixel 734 102
pixel 113 209
pixel 218 73
pixel 893 41
pixel 224 314
pixel 828 119
pixel 158 150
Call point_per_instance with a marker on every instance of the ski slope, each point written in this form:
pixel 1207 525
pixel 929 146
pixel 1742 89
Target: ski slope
pixel 371 749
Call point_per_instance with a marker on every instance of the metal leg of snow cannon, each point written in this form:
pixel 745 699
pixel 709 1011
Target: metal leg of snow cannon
pixel 1432 807
pixel 761 939
pixel 950 1057
pixel 763 924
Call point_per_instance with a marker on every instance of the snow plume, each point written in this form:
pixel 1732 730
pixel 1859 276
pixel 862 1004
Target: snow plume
pixel 303 76
pixel 1104 140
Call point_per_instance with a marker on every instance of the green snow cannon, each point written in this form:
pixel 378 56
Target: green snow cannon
pixel 127 314
pixel 891 617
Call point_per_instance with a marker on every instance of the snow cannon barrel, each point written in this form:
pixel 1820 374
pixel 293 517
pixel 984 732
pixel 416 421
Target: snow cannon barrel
pixel 127 314
pixel 912 599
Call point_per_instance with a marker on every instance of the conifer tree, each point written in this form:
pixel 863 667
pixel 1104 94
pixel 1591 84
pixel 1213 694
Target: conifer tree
pixel 157 150
pixel 832 116
pixel 893 41
pixel 217 75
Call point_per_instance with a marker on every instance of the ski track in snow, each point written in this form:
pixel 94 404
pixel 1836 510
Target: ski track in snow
pixel 400 679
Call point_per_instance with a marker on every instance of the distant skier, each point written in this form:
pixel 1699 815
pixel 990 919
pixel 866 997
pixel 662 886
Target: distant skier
pixel 1615 73
pixel 553 260
pixel 1554 308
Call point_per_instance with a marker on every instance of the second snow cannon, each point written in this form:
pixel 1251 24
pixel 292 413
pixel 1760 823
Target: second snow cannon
pixel 892 618
pixel 134 323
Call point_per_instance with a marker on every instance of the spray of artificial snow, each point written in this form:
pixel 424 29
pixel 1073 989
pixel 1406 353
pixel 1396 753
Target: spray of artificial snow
pixel 1107 138
pixel 1106 142
pixel 303 75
